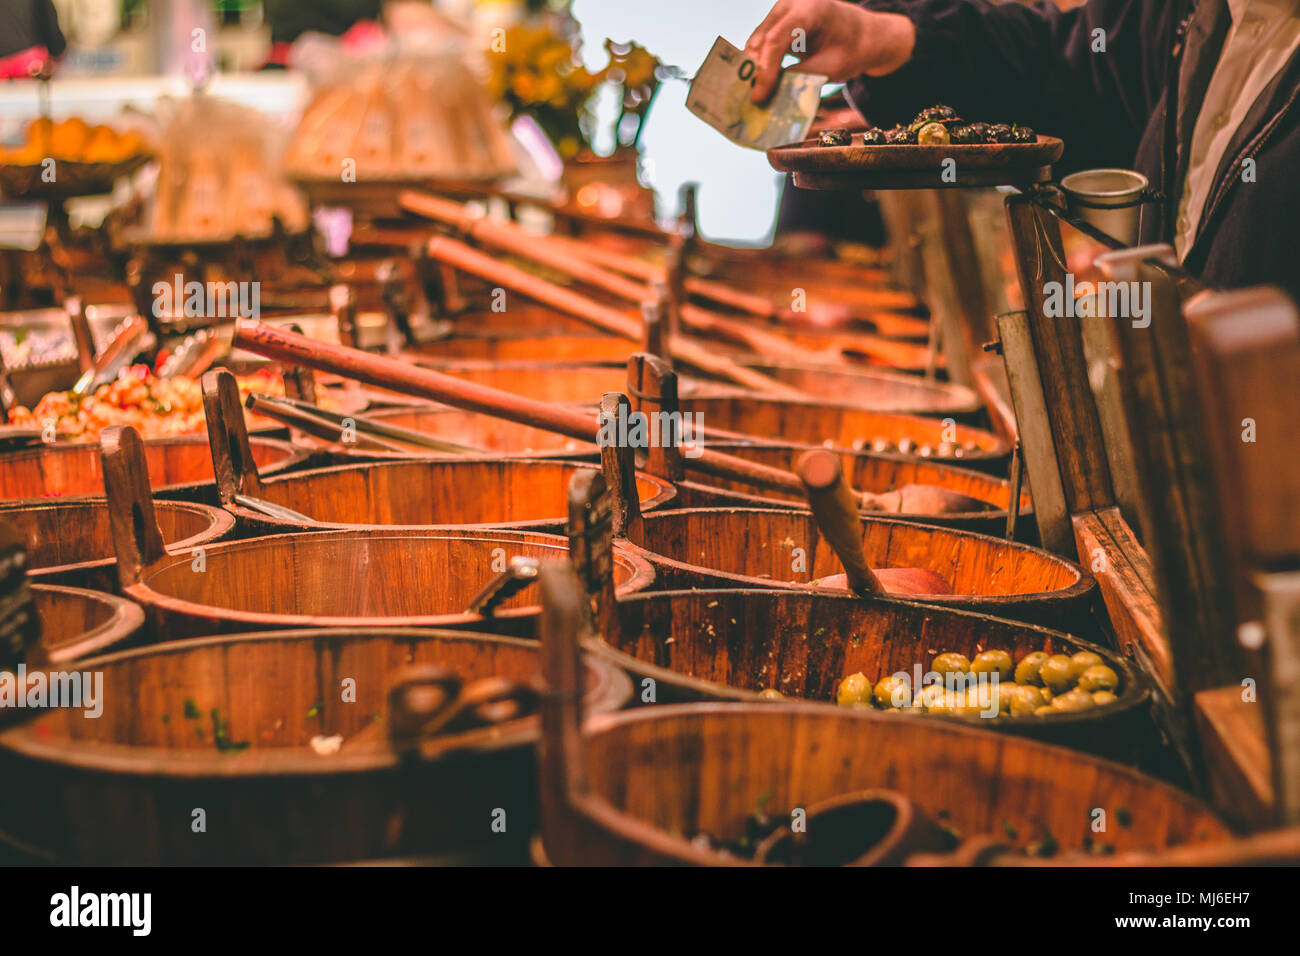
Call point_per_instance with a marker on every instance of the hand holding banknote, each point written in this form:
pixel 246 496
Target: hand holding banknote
pixel 720 95
pixel 831 37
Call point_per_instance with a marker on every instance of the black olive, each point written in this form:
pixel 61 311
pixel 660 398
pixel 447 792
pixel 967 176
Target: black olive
pixel 1023 134
pixel 933 113
pixel 1000 133
pixel 874 137
pixel 965 136
pixel 835 137
pixel 901 137
pixel 982 130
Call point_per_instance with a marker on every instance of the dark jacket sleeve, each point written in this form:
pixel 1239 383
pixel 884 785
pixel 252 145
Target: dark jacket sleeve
pixel 47 28
pixel 1091 75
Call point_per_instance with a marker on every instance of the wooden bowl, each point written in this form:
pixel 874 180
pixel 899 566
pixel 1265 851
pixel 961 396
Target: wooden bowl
pixel 122 789
pixel 69 540
pixel 750 547
pixel 657 775
pixel 350 579
pixel 422 494
pixel 180 468
pixel 865 471
pixel 77 623
pixel 734 644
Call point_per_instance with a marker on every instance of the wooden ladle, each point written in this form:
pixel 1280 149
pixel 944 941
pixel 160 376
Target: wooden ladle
pixel 833 507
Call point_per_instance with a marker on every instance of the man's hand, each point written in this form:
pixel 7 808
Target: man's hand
pixel 837 39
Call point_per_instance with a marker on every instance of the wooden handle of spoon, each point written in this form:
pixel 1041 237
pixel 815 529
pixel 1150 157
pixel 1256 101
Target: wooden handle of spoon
pixel 835 509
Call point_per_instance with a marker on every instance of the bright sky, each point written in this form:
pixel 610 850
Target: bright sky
pixel 738 189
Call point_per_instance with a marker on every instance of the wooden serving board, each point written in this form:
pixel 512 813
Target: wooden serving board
pixel 915 167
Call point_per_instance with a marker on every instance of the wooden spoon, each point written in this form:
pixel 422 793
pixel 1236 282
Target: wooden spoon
pixel 833 506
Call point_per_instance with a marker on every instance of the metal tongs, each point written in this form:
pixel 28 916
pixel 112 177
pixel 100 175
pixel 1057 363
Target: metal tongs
pixel 128 340
pixel 332 426
pixel 194 356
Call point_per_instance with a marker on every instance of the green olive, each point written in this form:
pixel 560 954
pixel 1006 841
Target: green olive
pixel 1103 697
pixel 1074 700
pixel 1082 660
pixel 1056 673
pixel 854 689
pixel 935 698
pixel 1027 669
pixel 932 134
pixel 771 693
pixel 1006 694
pixel 1046 693
pixel 893 692
pixel 1098 677
pixel 1026 700
pixel 951 663
pixel 990 662
pixel 1046 711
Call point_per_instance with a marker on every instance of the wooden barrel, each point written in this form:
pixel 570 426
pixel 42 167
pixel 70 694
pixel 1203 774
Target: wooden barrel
pixel 658 775
pixel 180 467
pixel 877 390
pixel 421 494
pixel 493 435
pixel 734 644
pixel 813 422
pixel 69 540
pixel 77 623
pixel 865 471
pixel 350 579
pixel 751 547
pixel 122 789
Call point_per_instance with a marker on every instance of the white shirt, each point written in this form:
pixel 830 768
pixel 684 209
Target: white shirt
pixel 1262 38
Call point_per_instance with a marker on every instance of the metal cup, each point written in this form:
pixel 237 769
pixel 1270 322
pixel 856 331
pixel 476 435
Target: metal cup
pixel 1109 199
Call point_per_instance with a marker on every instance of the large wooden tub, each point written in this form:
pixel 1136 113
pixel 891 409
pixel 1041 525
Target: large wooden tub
pixel 180 467
pixel 77 623
pixel 864 471
pixel 225 724
pixel 812 422
pixel 751 547
pixel 422 494
pixel 735 644
pixel 69 540
pixel 654 776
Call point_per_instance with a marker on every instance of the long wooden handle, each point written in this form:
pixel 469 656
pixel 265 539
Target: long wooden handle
pixel 579 306
pixel 410 379
pixel 137 539
pixel 836 513
pixel 232 455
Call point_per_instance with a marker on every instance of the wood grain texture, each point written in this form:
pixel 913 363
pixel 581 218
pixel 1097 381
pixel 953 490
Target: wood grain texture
pixel 657 775
pixel 120 790
pixel 745 547
pixel 178 467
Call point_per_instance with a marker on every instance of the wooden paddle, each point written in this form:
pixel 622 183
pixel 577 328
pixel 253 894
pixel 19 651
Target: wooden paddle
pixel 417 380
pixel 832 502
